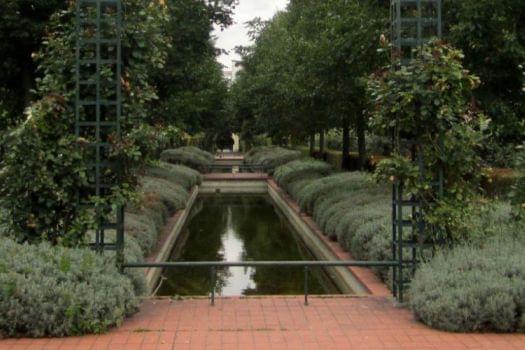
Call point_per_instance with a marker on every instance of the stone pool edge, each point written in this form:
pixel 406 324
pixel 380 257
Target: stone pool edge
pixel 345 279
pixel 363 281
pixel 174 227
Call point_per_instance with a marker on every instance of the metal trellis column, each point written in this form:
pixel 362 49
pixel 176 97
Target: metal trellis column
pixel 98 111
pixel 413 24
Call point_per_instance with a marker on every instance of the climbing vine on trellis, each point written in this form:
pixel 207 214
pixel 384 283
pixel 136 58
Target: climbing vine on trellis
pixel 429 104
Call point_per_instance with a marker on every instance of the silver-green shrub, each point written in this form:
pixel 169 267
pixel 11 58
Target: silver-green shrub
pixel 132 253
pixel 300 169
pixel 472 289
pixel 311 193
pixel 192 157
pixel 56 291
pixel 297 186
pixel 143 230
pixel 271 156
pixel 172 195
pixel 179 174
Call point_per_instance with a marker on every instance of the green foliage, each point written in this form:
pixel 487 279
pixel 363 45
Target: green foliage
pixel 45 165
pixel 43 170
pixel 172 195
pixel 54 291
pixel 22 28
pixel 518 192
pixel 428 101
pixel 192 90
pixel 192 157
pixel 297 170
pixel 270 157
pixel 142 229
pixel 184 176
pixel 348 207
pixel 303 73
pixel 492 219
pixel 163 191
pixel 473 289
pixel 491 34
pixel 310 194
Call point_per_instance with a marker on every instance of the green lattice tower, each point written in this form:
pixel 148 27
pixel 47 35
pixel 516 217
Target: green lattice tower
pixel 98 111
pixel 413 24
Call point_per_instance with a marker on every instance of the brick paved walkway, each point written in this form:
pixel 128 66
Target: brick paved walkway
pixel 273 323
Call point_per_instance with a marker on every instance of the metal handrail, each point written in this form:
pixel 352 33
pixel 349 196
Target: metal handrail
pixel 213 265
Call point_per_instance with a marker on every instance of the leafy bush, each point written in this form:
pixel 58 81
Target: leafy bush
pixel 143 230
pixel 518 192
pixel 300 169
pixel 296 187
pixel 182 175
pixel 55 291
pixel 172 195
pixel 162 193
pixel 45 162
pixel 192 157
pixel 473 289
pixel 132 253
pixel 492 219
pixel 429 99
pixel 271 157
pixel 323 187
pixel 348 207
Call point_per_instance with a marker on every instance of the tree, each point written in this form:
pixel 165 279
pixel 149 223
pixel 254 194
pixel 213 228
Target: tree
pixel 304 72
pixel 429 103
pixel 22 26
pixel 492 36
pixel 46 163
pixel 191 88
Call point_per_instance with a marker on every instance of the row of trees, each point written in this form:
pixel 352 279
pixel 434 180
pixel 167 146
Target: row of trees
pixel 188 83
pixel 170 81
pixel 305 72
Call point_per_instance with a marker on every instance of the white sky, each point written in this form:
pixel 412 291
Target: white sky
pixel 236 34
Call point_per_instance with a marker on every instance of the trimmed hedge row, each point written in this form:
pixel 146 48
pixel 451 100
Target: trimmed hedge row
pixel 472 289
pixel 56 291
pixel 480 287
pixel 300 170
pixel 271 156
pixel 182 175
pixel 349 207
pixel 189 156
pixel 164 191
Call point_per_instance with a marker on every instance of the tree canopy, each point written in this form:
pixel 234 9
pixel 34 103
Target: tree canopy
pixel 304 72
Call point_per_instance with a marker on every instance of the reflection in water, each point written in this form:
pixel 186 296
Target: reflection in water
pixel 239 278
pixel 225 228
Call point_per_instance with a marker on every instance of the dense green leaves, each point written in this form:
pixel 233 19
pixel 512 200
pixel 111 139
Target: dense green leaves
pixel 45 165
pixel 304 72
pixel 191 88
pixel 429 102
pixel 492 36
pixel 22 26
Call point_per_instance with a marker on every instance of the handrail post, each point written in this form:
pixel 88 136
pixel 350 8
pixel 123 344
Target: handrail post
pixel 306 286
pixel 213 276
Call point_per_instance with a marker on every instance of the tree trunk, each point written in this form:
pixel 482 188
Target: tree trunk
pixel 361 141
pixel 321 143
pixel 345 162
pixel 312 144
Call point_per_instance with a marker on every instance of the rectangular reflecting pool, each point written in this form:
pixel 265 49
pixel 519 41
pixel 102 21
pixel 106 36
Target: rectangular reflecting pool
pixel 240 228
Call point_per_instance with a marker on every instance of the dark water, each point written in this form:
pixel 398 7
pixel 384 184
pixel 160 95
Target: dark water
pixel 225 228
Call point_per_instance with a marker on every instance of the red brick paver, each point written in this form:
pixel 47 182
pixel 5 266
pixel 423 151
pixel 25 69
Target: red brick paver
pixel 273 323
